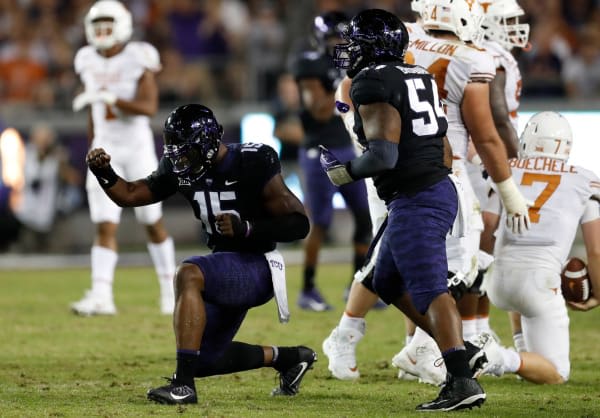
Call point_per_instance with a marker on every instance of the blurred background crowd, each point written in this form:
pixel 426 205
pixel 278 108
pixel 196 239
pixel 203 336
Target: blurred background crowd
pixel 226 53
pixel 233 50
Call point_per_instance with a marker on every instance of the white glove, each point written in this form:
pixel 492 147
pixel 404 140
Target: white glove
pixel 517 213
pixel 83 99
pixel 88 97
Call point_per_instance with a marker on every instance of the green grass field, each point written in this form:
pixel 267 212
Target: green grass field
pixel 55 364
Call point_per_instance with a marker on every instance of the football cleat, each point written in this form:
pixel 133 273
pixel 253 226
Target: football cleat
pixel 93 304
pixel 423 361
pixel 173 394
pixel 311 300
pixel 290 379
pixel 457 393
pixel 477 359
pixel 493 353
pixel 340 349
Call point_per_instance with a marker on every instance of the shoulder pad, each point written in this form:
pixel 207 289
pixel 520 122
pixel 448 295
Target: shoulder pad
pixel 260 160
pixel 369 86
pixel 145 55
pixel 82 57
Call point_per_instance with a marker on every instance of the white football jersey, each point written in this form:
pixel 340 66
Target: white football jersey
pixel 560 194
pixel 119 74
pixel 453 64
pixel 504 59
pixel 414 29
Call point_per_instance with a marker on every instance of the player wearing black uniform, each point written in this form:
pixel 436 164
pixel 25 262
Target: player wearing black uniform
pixel 400 122
pixel 238 194
pixel 317 79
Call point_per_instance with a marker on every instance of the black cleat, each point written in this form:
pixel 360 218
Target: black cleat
pixel 173 394
pixel 477 359
pixel 289 380
pixel 457 393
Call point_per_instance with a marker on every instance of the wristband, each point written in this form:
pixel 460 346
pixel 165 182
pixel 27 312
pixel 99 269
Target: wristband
pixel 106 176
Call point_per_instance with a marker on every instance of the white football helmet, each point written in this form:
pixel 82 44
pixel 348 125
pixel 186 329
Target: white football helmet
pixel 417 6
pixel 461 17
pixel 546 134
pixel 501 23
pixel 103 34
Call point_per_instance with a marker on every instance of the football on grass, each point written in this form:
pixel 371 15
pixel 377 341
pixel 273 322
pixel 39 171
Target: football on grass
pixel 575 282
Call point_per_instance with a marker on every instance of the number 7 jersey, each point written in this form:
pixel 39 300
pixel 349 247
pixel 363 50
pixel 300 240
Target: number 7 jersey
pixel 560 194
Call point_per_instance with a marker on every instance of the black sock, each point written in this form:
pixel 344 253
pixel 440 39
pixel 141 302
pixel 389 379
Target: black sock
pixel 309 278
pixel 187 362
pixel 287 357
pixel 238 357
pixel 456 362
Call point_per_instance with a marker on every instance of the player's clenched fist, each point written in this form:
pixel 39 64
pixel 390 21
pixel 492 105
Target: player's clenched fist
pixel 99 163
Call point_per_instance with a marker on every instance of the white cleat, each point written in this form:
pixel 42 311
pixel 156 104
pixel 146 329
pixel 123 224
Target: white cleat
pixel 493 351
pixel 340 349
pixel 423 362
pixel 92 304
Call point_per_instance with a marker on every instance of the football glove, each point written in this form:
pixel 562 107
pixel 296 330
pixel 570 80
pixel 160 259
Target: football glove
pixel 88 97
pixel 336 171
pixel 517 212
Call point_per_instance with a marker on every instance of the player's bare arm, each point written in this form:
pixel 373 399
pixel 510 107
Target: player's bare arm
pixel 145 101
pixel 501 116
pixel 480 124
pixel 123 193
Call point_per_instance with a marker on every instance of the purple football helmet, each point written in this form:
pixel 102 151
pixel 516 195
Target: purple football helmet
pixel 328 29
pixel 192 136
pixel 373 36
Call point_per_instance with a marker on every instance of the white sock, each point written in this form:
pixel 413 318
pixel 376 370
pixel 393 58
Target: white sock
pixel 511 360
pixel 519 342
pixel 352 322
pixel 163 257
pixel 469 327
pixel 408 339
pixel 103 262
pixel 482 324
pixel 420 337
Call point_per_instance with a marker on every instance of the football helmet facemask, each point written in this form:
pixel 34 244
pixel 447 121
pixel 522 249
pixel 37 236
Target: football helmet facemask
pixel 546 134
pixel 192 136
pixel 108 23
pixel 373 36
pixel 328 29
pixel 457 16
pixel 501 23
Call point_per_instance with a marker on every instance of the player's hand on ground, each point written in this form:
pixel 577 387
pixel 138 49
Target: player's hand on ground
pixel 230 225
pixel 591 303
pixel 97 158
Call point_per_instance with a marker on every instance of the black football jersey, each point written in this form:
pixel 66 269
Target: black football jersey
pixel 411 90
pixel 235 186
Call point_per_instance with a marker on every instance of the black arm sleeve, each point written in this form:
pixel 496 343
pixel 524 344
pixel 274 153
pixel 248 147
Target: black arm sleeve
pixel 283 228
pixel 381 155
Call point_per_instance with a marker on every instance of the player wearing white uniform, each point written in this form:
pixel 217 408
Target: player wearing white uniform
pixel 502 32
pixel 121 93
pixel 525 276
